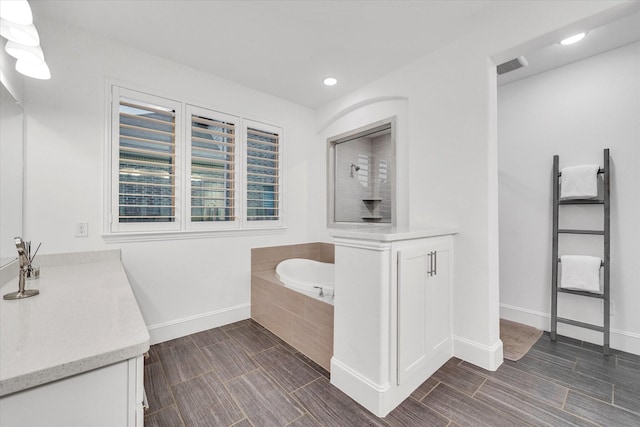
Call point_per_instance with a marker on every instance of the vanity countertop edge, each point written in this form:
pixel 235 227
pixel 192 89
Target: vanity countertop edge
pixel 86 317
pixel 389 233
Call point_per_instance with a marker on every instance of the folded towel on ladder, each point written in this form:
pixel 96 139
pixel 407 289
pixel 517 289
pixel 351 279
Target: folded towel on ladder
pixel 581 272
pixel 579 182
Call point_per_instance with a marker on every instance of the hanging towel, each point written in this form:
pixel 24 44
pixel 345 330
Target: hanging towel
pixel 579 182
pixel 581 272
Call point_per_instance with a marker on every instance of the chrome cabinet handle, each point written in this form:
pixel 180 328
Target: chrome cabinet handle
pixel 435 263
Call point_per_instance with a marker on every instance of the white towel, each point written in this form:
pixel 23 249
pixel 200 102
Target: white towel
pixel 579 182
pixel 581 272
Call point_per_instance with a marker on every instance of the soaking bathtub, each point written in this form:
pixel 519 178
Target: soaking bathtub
pixel 308 277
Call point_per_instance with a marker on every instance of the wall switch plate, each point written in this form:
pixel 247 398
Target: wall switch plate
pixel 82 229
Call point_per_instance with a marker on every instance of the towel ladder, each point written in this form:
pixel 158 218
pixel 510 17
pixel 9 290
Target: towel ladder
pixel 605 232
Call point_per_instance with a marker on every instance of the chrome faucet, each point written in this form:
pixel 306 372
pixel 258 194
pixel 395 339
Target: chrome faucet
pixel 25 265
pixel 321 294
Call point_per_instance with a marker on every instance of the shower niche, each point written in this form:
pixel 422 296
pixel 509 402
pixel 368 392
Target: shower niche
pixel 361 175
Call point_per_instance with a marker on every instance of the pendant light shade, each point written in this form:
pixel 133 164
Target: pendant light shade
pixel 23 34
pixel 32 54
pixel 23 40
pixel 17 11
pixel 37 71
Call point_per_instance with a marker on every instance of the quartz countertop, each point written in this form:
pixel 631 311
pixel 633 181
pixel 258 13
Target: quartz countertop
pixel 85 317
pixel 388 233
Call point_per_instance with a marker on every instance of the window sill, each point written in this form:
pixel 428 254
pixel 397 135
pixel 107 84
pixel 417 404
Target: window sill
pixel 151 236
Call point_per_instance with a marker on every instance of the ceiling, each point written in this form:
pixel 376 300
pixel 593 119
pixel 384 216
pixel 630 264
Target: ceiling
pixel 284 48
pixel 612 35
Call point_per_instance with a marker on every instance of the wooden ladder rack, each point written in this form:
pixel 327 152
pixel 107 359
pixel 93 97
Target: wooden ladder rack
pixel 605 232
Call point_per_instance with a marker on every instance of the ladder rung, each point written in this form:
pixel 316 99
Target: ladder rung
pixel 601 170
pixel 581 202
pixel 583 293
pixel 566 230
pixel 581 324
pixel 601 262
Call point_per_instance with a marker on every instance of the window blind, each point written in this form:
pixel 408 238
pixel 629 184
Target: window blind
pixel 263 175
pixel 213 157
pixel 147 162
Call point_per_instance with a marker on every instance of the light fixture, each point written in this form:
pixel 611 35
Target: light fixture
pixel 32 54
pixel 37 71
pixel 573 39
pixel 330 81
pixel 23 34
pixel 17 11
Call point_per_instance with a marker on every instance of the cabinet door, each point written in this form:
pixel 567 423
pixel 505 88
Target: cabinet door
pixel 438 302
pixel 413 293
pixel 424 324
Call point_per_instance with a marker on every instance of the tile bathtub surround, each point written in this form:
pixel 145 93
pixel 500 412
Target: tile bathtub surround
pixel 264 259
pixel 299 320
pixel 279 386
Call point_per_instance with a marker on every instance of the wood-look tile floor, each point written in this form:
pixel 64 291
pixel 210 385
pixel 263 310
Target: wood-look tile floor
pixel 242 375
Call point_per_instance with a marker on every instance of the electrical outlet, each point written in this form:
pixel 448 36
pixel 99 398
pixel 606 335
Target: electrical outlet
pixel 82 229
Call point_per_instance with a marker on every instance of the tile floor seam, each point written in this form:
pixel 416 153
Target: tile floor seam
pixel 429 392
pixel 564 401
pixel 495 409
pixel 173 396
pixel 436 411
pixel 479 387
pixel 236 401
pixel 606 403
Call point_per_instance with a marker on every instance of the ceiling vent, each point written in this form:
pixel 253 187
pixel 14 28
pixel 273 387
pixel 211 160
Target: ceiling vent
pixel 512 65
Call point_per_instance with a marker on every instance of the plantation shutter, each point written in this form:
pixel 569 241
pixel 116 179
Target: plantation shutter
pixel 213 167
pixel 148 162
pixel 263 186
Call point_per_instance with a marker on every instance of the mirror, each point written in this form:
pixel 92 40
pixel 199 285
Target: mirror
pixel 11 174
pixel 362 175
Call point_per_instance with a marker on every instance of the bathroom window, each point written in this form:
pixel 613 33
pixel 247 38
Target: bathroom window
pixel 262 156
pixel 212 169
pixel 177 167
pixel 145 187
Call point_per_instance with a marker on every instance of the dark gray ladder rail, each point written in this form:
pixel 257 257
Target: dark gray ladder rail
pixel 605 296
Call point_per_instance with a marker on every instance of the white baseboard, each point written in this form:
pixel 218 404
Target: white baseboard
pixel 190 325
pixel 486 357
pixel 620 340
pixel 359 388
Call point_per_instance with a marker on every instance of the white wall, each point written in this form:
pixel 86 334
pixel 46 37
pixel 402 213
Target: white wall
pixel 10 78
pixel 448 147
pixel 574 111
pixel 204 279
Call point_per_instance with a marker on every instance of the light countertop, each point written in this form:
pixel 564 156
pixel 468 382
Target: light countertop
pixel 388 233
pixel 85 317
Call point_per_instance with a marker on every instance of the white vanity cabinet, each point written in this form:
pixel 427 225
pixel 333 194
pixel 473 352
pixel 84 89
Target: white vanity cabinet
pixel 392 312
pixel 73 355
pixel 105 397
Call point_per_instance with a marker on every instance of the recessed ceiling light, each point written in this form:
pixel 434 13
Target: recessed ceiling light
pixel 573 39
pixel 330 81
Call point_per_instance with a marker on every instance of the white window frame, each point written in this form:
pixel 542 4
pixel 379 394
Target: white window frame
pixel 116 226
pixel 183 227
pixel 237 200
pixel 270 129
